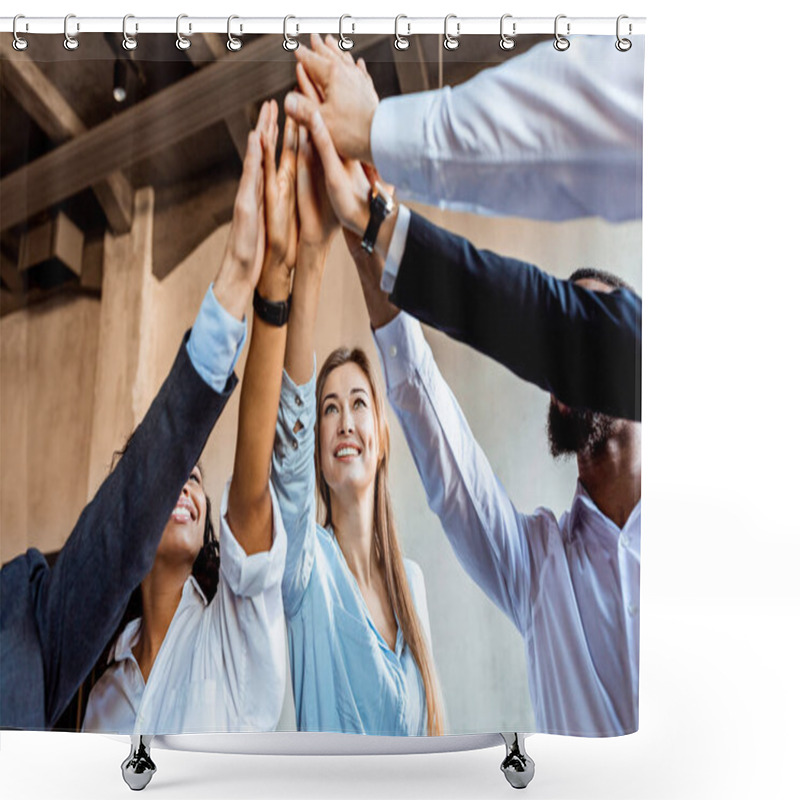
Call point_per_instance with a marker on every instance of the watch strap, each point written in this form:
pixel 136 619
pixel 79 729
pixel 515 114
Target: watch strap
pixel 272 312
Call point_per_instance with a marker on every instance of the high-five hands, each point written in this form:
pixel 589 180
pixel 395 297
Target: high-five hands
pixel 346 183
pixel 244 251
pixel 348 97
pixel 280 209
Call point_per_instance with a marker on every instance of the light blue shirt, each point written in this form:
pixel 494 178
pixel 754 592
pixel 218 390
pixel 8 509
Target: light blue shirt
pixel 570 585
pixel 216 340
pixel 345 677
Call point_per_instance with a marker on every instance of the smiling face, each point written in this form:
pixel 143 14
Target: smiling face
pixel 349 445
pixel 183 536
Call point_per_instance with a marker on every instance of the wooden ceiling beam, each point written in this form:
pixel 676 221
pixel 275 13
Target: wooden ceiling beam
pixel 209 47
pixel 412 69
pixel 260 69
pixel 43 102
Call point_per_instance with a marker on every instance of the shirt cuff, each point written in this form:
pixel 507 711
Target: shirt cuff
pixel 216 340
pixel 397 248
pixel 402 349
pixel 397 141
pixel 251 575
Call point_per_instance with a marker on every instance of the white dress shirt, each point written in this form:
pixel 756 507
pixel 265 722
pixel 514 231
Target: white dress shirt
pixel 221 666
pixel 569 585
pixel 546 135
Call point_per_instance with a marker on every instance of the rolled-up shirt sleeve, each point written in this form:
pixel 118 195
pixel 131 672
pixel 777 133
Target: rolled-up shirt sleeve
pixel 216 341
pixel 247 612
pixel 250 575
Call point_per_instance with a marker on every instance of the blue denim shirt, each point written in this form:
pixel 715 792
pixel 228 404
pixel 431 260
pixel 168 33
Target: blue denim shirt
pixel 345 677
pixel 54 623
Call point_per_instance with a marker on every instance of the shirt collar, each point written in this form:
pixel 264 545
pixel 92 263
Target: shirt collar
pixel 585 516
pixel 130 634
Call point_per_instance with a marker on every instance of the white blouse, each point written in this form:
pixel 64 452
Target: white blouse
pixel 222 665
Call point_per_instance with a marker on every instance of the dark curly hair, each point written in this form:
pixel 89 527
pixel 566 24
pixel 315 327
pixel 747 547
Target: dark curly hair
pixel 205 570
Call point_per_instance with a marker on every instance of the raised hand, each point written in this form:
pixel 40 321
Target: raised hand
pixel 318 221
pixel 244 251
pixel 346 184
pixel 280 211
pixel 347 100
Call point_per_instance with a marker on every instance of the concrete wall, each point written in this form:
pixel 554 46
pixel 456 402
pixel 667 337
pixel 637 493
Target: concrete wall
pixel 77 375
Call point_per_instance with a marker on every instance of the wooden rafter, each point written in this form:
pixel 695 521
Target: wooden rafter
pixel 258 70
pixel 412 69
pixel 208 47
pixel 35 92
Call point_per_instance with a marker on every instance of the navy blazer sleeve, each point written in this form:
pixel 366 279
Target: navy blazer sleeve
pixel 73 609
pixel 584 347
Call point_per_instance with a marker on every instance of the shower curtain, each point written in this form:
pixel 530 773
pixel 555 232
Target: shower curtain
pixel 508 380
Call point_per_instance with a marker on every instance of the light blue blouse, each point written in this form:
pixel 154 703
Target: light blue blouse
pixel 345 677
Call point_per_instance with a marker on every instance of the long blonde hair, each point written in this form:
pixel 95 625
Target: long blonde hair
pixel 385 535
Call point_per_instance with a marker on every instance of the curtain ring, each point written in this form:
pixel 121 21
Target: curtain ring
pixel 234 43
pixel 289 42
pixel 507 42
pixel 561 43
pixel 129 42
pixel 345 42
pixel 451 42
pixel 400 42
pixel 623 45
pixel 19 43
pixel 182 43
pixel 70 42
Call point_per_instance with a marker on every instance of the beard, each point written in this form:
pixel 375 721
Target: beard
pixel 576 431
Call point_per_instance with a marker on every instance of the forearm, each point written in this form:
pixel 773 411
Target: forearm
pixel 250 506
pixel 370 269
pixel 582 346
pixel 232 290
pixel 299 362
pixel 475 512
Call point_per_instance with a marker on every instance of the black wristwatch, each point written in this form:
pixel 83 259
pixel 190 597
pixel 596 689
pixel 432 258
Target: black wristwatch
pixel 273 313
pixel 381 204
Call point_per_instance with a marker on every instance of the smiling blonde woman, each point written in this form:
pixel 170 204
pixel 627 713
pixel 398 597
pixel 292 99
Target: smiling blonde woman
pixel 356 612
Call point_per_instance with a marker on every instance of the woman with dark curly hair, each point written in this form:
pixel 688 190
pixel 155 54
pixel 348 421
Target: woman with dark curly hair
pixel 207 651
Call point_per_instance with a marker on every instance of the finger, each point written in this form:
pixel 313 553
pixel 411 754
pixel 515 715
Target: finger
pixel 270 145
pixel 300 108
pixel 306 85
pixel 326 151
pixel 303 158
pixel 288 163
pixel 336 52
pixel 317 61
pixel 362 65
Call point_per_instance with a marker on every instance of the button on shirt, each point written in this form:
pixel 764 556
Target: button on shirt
pixel 570 585
pixel 221 666
pixel 346 678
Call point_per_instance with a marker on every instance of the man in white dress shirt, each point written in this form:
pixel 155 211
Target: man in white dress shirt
pixel 571 584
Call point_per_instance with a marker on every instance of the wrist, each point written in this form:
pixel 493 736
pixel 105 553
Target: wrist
pixel 232 287
pixel 275 284
pixel 312 255
pixel 358 220
pixel 366 144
